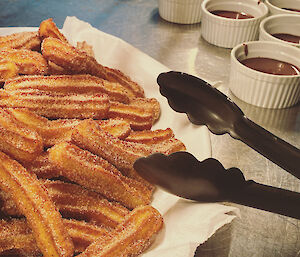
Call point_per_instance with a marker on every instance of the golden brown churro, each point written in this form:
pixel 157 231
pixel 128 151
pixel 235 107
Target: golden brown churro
pixel 93 172
pixel 150 136
pixel 15 234
pixel 76 202
pixel 18 140
pixel 26 40
pixel 78 84
pixel 56 105
pixel 33 201
pixel 89 135
pixel 49 29
pixel 28 62
pixel 138 117
pixel 79 62
pixel 51 131
pixel 71 58
pixel 131 237
pixel 8 69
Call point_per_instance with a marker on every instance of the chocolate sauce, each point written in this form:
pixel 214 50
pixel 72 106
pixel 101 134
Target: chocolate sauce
pixel 287 37
pixel 292 9
pixel 271 66
pixel 232 14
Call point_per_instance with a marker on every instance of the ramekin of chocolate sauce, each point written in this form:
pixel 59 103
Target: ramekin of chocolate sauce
pixel 266 74
pixel 226 23
pixel 283 6
pixel 284 28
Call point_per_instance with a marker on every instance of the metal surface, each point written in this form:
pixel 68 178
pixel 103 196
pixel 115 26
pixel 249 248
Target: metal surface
pixel 180 47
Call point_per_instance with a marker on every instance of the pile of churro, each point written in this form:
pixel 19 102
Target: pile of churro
pixel 70 131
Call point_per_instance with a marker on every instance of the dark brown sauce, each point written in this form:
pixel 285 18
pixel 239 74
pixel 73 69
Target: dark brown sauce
pixel 232 14
pixel 271 66
pixel 292 9
pixel 287 37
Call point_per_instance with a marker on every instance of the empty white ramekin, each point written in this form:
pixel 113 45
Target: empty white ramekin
pixel 277 6
pixel 224 32
pixel 280 23
pixel 180 11
pixel 262 89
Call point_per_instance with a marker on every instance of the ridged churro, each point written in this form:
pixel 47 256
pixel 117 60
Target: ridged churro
pixel 15 234
pixel 76 202
pixel 149 104
pixel 136 116
pixel 51 131
pixel 76 61
pixel 150 136
pixel 89 135
pixel 26 40
pixel 33 201
pixel 57 105
pixel 18 140
pixel 28 62
pixel 118 76
pixel 77 84
pixel 71 58
pixel 93 172
pixel 8 69
pixel 49 29
pixel 131 237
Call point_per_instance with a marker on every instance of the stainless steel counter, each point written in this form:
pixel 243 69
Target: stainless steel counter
pixel 180 47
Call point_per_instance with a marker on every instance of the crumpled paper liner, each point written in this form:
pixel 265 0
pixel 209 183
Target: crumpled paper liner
pixel 187 223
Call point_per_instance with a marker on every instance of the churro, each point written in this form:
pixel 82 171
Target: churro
pixel 76 202
pixel 93 172
pixel 8 69
pixel 90 136
pixel 150 137
pixel 15 234
pixel 137 116
pixel 77 84
pixel 26 40
pixel 49 29
pixel 33 201
pixel 18 140
pixel 57 105
pixel 131 237
pixel 28 62
pixel 71 58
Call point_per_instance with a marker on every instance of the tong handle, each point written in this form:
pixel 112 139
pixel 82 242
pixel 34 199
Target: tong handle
pixel 269 198
pixel 275 149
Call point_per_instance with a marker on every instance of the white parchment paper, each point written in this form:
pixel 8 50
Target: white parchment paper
pixel 187 223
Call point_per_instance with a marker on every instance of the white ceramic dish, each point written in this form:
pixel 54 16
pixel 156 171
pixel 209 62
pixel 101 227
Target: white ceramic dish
pixel 180 11
pixel 280 23
pixel 225 32
pixel 262 89
pixel 276 6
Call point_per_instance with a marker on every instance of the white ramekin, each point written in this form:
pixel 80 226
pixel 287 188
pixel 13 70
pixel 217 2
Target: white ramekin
pixel 180 11
pixel 276 6
pixel 262 89
pixel 224 32
pixel 280 23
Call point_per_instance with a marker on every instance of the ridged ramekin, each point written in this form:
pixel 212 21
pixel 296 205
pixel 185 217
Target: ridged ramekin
pixel 180 11
pixel 262 89
pixel 276 6
pixel 225 32
pixel 280 23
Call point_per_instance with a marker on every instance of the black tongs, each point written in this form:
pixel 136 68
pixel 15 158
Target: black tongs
pixel 205 105
pixel 183 175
